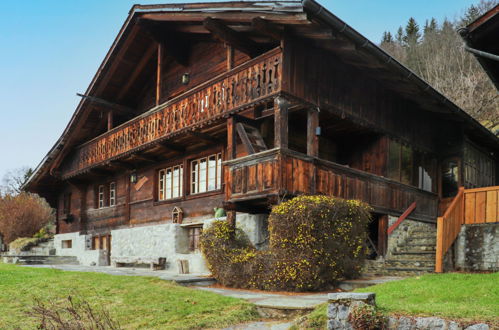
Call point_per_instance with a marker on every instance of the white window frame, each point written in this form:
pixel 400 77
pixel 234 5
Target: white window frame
pixel 205 178
pixel 101 196
pixel 170 182
pixel 112 194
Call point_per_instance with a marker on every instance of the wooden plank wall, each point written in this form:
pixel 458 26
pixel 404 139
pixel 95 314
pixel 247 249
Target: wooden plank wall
pixel 481 205
pixel 318 77
pixel 301 175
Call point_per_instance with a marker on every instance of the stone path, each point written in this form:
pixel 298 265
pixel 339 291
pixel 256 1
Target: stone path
pixel 273 300
pixel 187 279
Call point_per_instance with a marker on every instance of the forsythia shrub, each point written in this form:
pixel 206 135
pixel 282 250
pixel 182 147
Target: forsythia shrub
pixel 314 240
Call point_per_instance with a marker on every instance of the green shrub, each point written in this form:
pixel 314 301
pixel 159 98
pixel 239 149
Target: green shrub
pixel 314 240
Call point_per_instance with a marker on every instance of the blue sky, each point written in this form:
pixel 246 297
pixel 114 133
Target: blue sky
pixel 50 50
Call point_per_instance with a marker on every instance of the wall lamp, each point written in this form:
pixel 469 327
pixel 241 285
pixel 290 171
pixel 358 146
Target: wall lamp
pixel 133 177
pixel 186 78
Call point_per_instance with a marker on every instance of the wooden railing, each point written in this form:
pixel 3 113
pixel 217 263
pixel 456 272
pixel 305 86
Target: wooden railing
pixel 470 206
pixel 401 219
pixel 251 82
pixel 448 227
pixel 285 172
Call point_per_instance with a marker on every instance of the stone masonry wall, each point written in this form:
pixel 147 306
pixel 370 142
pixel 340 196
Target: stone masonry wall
pixel 477 247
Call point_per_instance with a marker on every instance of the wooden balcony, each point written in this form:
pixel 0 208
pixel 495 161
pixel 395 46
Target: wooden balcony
pixel 285 172
pixel 254 81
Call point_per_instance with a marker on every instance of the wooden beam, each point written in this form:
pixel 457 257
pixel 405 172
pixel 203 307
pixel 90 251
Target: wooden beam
pixel 110 120
pixel 114 106
pixel 312 137
pixel 205 137
pixel 230 57
pixel 244 138
pixel 121 164
pixel 158 73
pixel 139 68
pixel 145 158
pixel 231 138
pixel 281 106
pixel 229 36
pixel 173 42
pixel 267 28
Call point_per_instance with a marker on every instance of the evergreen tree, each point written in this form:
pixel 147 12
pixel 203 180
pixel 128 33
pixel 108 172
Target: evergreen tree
pixel 471 14
pixel 400 35
pixel 430 27
pixel 412 33
pixel 387 37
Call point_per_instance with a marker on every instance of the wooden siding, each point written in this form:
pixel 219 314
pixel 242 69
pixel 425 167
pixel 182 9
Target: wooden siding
pixel 481 205
pixel 348 91
pixel 251 82
pixel 298 174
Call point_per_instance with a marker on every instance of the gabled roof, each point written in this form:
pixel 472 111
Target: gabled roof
pixel 482 39
pixel 305 19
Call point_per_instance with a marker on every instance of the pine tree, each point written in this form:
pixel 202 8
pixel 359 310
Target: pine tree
pixel 387 37
pixel 430 27
pixel 400 35
pixel 412 33
pixel 471 14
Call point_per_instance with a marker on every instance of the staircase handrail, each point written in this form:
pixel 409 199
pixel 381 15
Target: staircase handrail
pixel 448 227
pixel 402 218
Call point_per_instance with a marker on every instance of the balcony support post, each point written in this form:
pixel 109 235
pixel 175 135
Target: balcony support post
pixel 158 73
pixel 110 120
pixel 281 107
pixel 231 138
pixel 312 137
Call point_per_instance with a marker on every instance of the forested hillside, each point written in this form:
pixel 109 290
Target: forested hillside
pixel 435 52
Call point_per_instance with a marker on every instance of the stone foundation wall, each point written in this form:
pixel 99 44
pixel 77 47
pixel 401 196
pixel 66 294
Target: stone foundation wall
pixel 81 247
pixel 341 305
pixel 169 241
pixel 477 248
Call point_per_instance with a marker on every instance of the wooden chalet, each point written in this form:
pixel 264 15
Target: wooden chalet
pixel 237 105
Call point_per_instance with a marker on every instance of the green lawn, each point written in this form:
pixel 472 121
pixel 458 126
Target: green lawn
pixel 135 302
pixel 457 296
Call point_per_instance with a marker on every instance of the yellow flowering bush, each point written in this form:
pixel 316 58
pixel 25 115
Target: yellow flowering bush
pixel 314 240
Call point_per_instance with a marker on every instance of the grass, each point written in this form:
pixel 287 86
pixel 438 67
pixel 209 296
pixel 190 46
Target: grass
pixel 135 302
pixel 457 296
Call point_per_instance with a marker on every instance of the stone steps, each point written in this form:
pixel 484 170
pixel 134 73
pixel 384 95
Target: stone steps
pixel 404 263
pixel 40 260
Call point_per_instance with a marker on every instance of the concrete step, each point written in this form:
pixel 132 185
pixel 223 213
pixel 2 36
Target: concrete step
pixel 410 263
pixel 41 260
pixel 413 255
pixel 423 234
pixel 409 271
pixel 415 247
pixel 422 240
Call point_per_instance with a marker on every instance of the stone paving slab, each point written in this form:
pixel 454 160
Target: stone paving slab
pixel 184 279
pixel 262 325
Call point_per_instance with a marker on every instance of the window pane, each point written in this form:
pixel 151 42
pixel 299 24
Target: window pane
pixel 161 185
pixel 176 183
pixel 219 171
pixel 450 178
pixel 194 176
pixel 202 175
pixel 212 168
pixel 168 181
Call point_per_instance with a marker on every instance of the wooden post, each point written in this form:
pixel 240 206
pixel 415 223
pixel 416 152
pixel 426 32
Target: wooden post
pixel 158 73
pixel 230 57
pixel 231 138
pixel 439 256
pixel 109 120
pixel 312 137
pixel 382 234
pixel 281 106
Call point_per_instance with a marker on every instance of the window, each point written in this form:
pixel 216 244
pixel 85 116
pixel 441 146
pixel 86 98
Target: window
pixel 170 182
pixel 194 234
pixel 206 174
pixel 101 196
pixel 66 209
pixel 67 244
pixel 112 194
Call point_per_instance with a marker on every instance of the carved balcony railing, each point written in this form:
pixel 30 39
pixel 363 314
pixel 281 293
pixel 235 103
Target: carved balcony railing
pixel 251 82
pixel 285 172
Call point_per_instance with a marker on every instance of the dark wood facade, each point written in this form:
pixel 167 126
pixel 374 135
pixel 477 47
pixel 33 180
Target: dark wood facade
pixel 291 104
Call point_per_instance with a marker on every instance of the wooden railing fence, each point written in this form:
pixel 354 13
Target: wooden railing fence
pixel 470 206
pixel 252 81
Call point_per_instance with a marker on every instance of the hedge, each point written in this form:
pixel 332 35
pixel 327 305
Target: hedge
pixel 314 241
